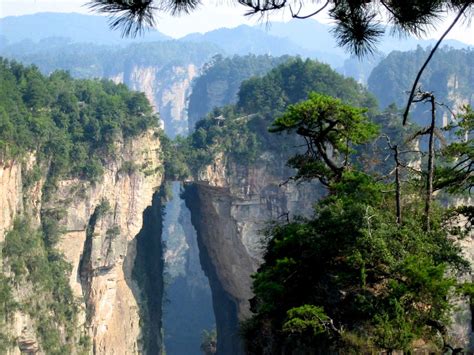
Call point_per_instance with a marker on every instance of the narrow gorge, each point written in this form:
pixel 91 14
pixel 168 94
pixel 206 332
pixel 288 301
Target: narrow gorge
pixel 151 243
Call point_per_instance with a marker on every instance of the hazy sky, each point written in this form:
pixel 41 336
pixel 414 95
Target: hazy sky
pixel 214 14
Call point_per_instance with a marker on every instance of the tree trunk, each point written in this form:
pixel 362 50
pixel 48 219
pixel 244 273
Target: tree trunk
pixel 398 186
pixel 431 157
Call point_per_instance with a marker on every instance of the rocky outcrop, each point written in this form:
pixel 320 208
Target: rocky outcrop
pixel 11 200
pixel 167 88
pixel 230 207
pixel 99 223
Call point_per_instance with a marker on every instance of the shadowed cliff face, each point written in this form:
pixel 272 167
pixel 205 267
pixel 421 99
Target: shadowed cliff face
pixel 148 274
pixel 187 309
pixel 225 304
pixel 230 206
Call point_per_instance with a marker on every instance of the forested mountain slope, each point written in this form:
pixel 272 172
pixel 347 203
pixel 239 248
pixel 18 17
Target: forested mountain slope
pixel 239 168
pixel 79 163
pixel 450 76
pixel 219 83
pixel 360 272
pixel 162 70
pixel 292 174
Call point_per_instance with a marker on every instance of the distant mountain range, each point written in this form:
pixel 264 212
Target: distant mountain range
pixel 245 39
pixel 307 38
pixel 75 27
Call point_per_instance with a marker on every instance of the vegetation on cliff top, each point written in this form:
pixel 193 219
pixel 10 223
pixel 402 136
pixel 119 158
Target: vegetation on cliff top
pixel 72 125
pixel 220 81
pixel 374 269
pixel 241 130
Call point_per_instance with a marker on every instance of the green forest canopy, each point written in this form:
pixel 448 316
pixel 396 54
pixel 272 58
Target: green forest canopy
pixel 73 124
pixel 241 130
pixel 354 276
pixel 73 127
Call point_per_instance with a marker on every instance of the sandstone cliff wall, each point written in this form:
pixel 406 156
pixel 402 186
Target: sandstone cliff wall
pixel 99 224
pixel 230 206
pixel 167 88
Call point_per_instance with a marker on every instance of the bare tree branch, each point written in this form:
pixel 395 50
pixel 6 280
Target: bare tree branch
pixel 425 64
pixel 296 15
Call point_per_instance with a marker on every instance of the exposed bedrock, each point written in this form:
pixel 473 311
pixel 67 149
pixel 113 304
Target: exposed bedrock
pixel 229 209
pixel 99 224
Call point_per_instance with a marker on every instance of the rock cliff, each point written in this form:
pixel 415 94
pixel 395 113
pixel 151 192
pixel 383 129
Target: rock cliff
pixel 99 223
pixel 230 206
pixel 11 202
pixel 166 87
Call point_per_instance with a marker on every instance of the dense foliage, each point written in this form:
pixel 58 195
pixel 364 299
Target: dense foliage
pixel 456 168
pixel 331 130
pixel 293 81
pixel 72 128
pixel 220 81
pixel 241 130
pixel 370 270
pixel 71 124
pixel 377 285
pixel 355 277
pixel 53 309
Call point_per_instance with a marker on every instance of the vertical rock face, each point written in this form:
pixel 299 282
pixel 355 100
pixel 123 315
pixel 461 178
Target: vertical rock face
pixel 148 270
pixel 229 209
pixel 100 222
pixel 461 330
pixel 11 198
pixel 167 88
pixel 12 205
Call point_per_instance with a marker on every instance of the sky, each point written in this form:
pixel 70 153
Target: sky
pixel 212 14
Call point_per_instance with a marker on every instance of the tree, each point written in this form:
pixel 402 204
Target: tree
pixel 330 129
pixel 355 276
pixel 456 173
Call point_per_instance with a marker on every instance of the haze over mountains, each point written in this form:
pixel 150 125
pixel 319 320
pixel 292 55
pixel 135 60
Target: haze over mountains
pixel 164 68
pixel 308 38
pixel 76 27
